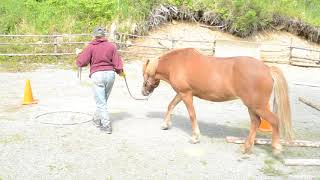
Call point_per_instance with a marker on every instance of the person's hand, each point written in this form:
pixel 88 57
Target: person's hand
pixel 78 51
pixel 122 74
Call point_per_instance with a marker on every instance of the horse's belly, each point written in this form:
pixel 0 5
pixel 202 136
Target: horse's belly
pixel 217 97
pixel 221 99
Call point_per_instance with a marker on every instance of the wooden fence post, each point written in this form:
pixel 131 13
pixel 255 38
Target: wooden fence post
pixel 214 47
pixel 55 43
pixel 173 43
pixel 290 55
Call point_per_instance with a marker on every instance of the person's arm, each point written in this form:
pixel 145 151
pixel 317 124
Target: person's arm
pixel 84 58
pixel 117 62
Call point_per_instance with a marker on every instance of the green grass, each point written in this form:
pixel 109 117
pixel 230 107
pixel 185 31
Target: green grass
pixel 59 168
pixel 78 16
pixel 306 10
pixel 204 162
pixel 247 16
pixel 12 139
pixel 15 66
pixel 269 168
pixel 30 63
pixel 109 178
pixel 67 16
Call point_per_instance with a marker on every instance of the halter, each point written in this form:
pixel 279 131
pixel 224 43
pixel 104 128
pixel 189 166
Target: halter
pixel 147 82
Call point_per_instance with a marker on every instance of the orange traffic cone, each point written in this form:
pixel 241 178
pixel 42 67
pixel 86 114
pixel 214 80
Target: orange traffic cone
pixel 264 125
pixel 28 98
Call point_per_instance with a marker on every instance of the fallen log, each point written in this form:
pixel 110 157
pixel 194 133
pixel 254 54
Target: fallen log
pixel 302 162
pixel 309 85
pixel 260 141
pixel 317 107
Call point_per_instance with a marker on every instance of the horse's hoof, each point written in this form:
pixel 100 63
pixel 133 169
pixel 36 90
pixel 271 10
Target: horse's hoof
pixel 276 153
pixel 277 147
pixel 245 149
pixel 277 150
pixel 165 126
pixel 194 140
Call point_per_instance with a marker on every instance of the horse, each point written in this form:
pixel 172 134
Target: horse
pixel 219 79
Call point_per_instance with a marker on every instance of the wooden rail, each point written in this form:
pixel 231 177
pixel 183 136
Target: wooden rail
pixel 292 59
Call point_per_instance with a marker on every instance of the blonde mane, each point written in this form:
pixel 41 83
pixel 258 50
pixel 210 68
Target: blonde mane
pixel 150 67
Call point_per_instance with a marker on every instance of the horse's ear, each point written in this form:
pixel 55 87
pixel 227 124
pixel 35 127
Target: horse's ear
pixel 145 66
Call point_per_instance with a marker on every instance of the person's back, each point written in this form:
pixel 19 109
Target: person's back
pixel 101 55
pixel 104 62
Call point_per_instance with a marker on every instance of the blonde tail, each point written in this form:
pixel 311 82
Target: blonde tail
pixel 281 105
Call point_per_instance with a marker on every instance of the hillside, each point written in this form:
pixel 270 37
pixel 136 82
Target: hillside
pixel 239 17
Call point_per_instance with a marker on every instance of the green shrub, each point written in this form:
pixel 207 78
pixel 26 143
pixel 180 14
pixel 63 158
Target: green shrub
pixel 78 16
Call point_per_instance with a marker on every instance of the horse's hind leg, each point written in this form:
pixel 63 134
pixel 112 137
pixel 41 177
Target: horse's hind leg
pixel 255 123
pixel 188 101
pixel 167 120
pixel 274 121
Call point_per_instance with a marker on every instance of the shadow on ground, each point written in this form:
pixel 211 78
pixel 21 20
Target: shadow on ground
pixel 211 130
pixel 119 116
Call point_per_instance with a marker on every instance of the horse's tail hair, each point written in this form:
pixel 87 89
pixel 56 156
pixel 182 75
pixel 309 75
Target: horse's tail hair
pixel 281 103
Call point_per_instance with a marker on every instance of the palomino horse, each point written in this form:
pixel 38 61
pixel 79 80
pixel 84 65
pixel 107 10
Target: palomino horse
pixel 221 79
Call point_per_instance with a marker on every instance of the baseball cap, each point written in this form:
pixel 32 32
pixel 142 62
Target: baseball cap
pixel 99 32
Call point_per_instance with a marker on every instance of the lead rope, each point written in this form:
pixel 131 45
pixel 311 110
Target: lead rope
pixel 79 73
pixel 125 80
pixel 139 99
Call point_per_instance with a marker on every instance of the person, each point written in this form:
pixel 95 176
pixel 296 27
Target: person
pixel 104 62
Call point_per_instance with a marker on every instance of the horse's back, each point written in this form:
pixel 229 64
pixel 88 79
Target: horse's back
pixel 207 78
pixel 218 79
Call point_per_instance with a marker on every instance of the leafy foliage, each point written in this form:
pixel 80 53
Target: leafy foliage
pixel 77 16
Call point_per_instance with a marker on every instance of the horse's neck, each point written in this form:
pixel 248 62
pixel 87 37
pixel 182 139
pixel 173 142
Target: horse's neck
pixel 162 71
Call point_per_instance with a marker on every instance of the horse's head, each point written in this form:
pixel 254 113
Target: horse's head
pixel 149 73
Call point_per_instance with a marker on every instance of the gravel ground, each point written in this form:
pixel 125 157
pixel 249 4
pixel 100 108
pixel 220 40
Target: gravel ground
pixel 138 148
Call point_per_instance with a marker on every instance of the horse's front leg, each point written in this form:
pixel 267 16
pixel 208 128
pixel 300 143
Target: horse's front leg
pixel 167 120
pixel 188 101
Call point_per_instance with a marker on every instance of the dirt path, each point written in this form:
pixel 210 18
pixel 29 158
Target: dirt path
pixel 138 149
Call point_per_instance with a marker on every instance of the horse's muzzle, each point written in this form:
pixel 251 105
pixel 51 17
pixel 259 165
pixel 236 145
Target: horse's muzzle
pixel 145 93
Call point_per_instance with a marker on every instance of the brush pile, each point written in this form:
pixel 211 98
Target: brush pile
pixel 167 13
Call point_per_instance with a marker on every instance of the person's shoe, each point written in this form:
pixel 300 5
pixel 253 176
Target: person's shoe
pixel 107 129
pixel 97 122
